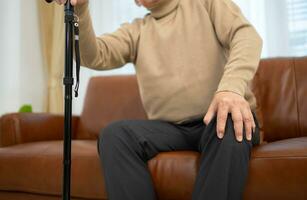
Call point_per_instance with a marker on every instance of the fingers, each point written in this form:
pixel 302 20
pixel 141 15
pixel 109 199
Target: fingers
pixel 210 113
pixel 61 2
pixel 73 2
pixel 248 120
pixel 238 123
pixel 222 115
pixel 241 114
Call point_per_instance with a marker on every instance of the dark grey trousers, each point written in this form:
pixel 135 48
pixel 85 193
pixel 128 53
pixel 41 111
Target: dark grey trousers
pixel 125 146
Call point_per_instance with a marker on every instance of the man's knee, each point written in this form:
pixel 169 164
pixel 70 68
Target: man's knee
pixel 111 134
pixel 231 141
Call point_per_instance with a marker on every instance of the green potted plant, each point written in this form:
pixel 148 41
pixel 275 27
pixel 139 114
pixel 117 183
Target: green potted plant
pixel 27 108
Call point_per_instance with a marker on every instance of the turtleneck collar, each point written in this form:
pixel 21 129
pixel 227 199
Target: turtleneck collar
pixel 163 8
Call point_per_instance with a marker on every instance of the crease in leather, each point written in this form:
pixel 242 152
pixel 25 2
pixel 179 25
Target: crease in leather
pixel 296 96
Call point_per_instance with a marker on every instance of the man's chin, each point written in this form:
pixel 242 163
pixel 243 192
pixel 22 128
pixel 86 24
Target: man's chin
pixel 148 3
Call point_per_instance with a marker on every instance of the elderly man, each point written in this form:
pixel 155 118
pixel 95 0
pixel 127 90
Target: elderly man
pixel 193 60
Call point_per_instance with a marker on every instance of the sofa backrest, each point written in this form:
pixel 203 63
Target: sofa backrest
pixel 280 87
pixel 109 98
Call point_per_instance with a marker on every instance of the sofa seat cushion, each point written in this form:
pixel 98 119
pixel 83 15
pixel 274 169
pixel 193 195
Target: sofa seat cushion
pixel 37 168
pixel 174 174
pixel 278 170
pixel 294 147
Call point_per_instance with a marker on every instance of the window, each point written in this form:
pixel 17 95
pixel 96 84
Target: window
pixel 297 26
pixel 282 25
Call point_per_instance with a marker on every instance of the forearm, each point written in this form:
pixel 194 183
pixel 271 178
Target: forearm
pixel 243 60
pixel 107 51
pixel 90 51
pixel 241 41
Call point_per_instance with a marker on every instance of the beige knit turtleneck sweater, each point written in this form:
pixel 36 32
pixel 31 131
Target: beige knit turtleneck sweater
pixel 184 52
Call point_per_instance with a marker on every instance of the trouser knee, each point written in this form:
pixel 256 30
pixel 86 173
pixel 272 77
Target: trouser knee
pixel 118 138
pixel 111 135
pixel 230 140
pixel 228 143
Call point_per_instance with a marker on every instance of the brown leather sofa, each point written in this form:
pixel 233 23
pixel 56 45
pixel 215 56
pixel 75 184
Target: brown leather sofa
pixel 31 146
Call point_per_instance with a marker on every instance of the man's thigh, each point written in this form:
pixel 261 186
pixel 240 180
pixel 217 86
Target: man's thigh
pixel 153 136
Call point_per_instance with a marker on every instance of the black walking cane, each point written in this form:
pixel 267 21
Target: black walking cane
pixel 72 35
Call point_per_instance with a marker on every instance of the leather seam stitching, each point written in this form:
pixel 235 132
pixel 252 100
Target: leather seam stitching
pixel 259 104
pixel 296 96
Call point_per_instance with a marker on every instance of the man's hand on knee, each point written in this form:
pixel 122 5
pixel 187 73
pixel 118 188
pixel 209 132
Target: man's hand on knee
pixel 230 102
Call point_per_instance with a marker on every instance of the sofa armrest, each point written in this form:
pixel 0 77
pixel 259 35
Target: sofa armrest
pixel 20 128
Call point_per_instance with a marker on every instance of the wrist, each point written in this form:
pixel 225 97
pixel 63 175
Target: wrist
pixel 228 91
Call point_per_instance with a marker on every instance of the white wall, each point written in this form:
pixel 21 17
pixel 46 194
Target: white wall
pixel 22 78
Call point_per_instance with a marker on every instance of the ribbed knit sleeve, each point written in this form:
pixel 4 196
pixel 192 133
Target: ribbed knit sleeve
pixel 107 51
pixel 238 36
